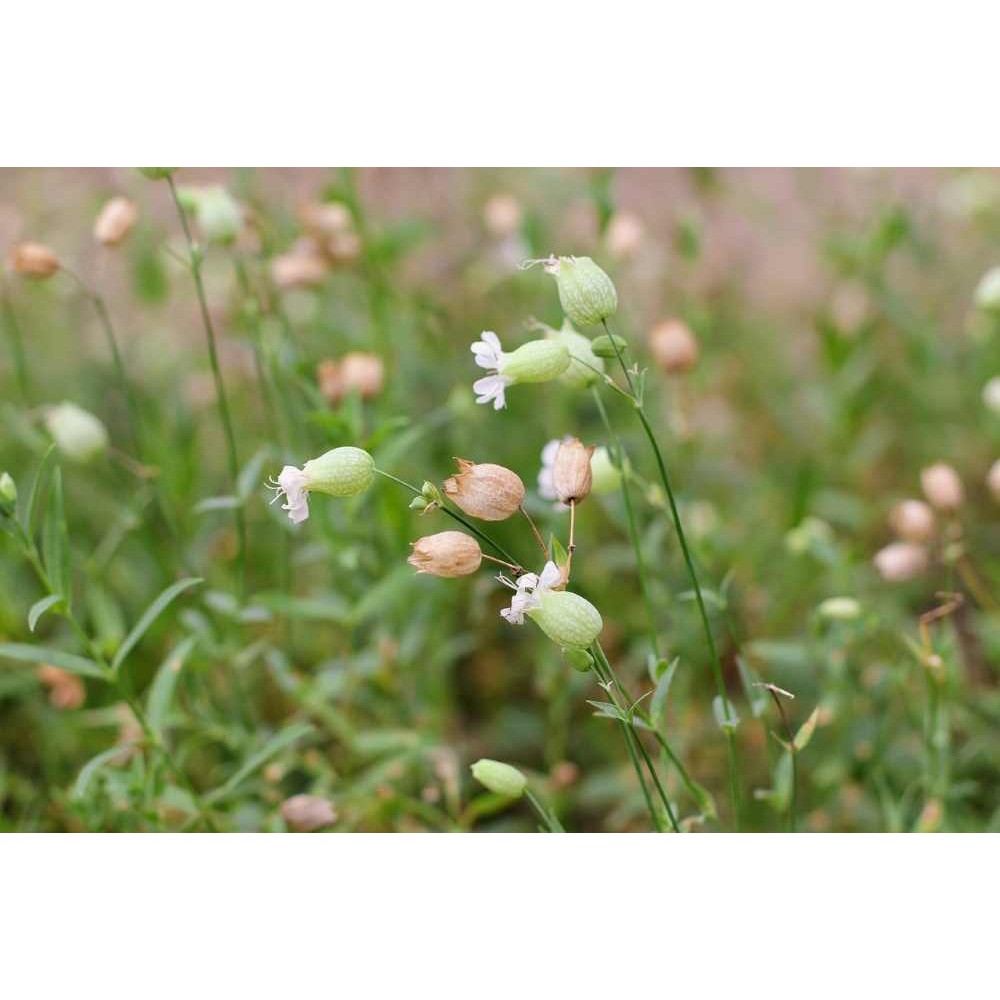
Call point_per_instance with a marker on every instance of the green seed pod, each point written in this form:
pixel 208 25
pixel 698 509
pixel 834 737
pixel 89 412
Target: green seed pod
pixel 586 293
pixel 580 374
pixel 536 361
pixel 567 619
pixel 502 779
pixel 605 478
pixel 342 472
pixel 843 609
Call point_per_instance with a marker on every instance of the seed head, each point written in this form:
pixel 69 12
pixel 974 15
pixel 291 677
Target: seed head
pixel 499 778
pixel 448 554
pixel 571 473
pixel 115 221
pixel 34 260
pixel 489 492
pixel 942 487
pixel 586 293
pixel 305 813
pixel 79 435
pixel 673 346
pixel 913 521
pixel 901 561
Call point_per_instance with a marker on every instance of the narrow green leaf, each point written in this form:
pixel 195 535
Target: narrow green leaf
pixel 150 615
pixel 89 770
pixel 210 504
pixel 161 691
pixel 804 735
pixel 658 703
pixel 37 488
pixel 55 540
pixel 40 607
pixel 270 749
pixel 42 654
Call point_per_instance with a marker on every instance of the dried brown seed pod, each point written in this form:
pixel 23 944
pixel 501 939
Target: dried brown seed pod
pixel 901 561
pixel 913 521
pixel 115 221
pixel 571 472
pixel 34 260
pixel 448 554
pixel 489 492
pixel 673 346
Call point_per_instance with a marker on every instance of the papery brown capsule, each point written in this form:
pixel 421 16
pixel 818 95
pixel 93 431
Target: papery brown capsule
pixel 571 472
pixel 362 372
pixel 901 561
pixel 34 260
pixel 115 221
pixel 448 554
pixel 942 487
pixel 305 813
pixel 912 520
pixel 489 492
pixel 673 346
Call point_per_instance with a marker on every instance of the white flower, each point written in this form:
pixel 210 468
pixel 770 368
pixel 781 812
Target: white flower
pixel 530 588
pixel 489 355
pixel 293 482
pixel 546 484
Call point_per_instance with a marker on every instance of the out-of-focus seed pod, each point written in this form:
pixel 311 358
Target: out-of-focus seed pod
pixel 219 214
pixel 362 372
pixel 326 219
pixel 448 554
pixel 991 394
pixel 489 492
pixel 993 480
pixel 306 813
pixel 942 486
pixel 34 260
pixel 115 221
pixel 987 293
pixel 586 293
pixel 79 435
pixel 568 619
pixel 624 234
pixel 304 266
pixel 673 346
pixel 66 690
pixel 328 380
pixel 840 609
pixel 499 778
pixel 901 561
pixel 571 472
pixel 913 521
pixel 502 215
pixel 8 494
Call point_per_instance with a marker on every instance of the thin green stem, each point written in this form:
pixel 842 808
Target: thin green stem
pixel 692 574
pixel 16 344
pixel 194 262
pixel 548 821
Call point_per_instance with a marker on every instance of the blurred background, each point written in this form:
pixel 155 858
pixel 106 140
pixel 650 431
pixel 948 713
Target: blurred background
pixel 838 338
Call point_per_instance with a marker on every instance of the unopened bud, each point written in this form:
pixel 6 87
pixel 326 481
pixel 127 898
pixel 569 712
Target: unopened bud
pixel 363 373
pixel 993 480
pixel 579 659
pixel 34 260
pixel 489 492
pixel 326 219
pixel 568 619
pixel 115 221
pixel 913 521
pixel 942 487
pixel 448 554
pixel 673 346
pixel 571 472
pixel 586 293
pixel 79 435
pixel 499 778
pixel 305 813
pixel 901 561
pixel 987 293
pixel 585 367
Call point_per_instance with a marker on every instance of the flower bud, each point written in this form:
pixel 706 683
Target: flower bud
pixel 499 778
pixel 993 480
pixel 8 494
pixel 79 435
pixel 586 293
pixel 342 472
pixel 580 373
pixel 305 813
pixel 901 561
pixel 673 346
pixel 489 492
pixel 66 690
pixel 536 361
pixel 987 293
pixel 448 554
pixel 913 521
pixel 34 260
pixel 571 473
pixel 302 267
pixel 115 221
pixel 568 619
pixel 605 478
pixel 842 609
pixel 942 486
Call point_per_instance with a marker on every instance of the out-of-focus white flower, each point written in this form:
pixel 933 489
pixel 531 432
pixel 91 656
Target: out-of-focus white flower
pixel 987 293
pixel 79 435
pixel 530 588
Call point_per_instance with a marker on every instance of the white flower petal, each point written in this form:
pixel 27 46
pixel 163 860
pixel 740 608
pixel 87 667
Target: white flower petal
pixel 491 387
pixel 551 575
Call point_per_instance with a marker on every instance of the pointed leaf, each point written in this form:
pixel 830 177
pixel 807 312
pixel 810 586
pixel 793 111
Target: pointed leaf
pixel 804 735
pixel 42 654
pixel 210 504
pixel 271 749
pixel 161 691
pixel 150 615
pixel 89 770
pixel 40 607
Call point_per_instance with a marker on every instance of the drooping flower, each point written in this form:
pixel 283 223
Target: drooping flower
pixel 536 361
pixel 342 472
